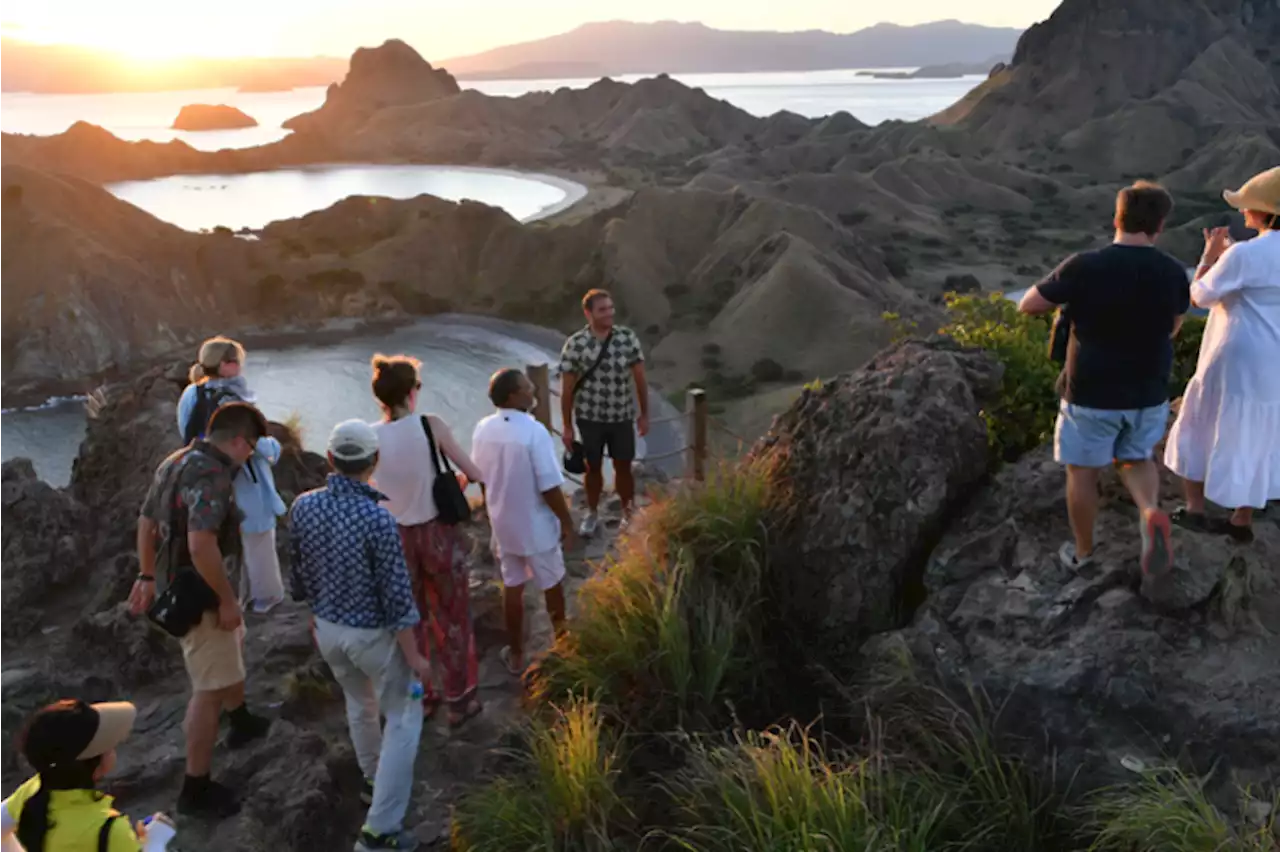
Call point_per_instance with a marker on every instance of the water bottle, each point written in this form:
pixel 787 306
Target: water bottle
pixel 159 831
pixel 416 692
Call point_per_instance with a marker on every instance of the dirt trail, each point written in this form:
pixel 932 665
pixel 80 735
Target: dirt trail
pixel 300 785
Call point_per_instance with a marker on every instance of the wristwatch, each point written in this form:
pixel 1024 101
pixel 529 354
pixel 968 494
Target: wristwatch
pixel 146 578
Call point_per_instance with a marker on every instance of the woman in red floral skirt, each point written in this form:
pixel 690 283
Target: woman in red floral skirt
pixel 436 552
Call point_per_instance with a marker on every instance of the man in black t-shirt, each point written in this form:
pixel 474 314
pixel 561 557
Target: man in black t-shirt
pixel 1125 304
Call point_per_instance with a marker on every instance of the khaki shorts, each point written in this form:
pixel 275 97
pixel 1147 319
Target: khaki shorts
pixel 214 657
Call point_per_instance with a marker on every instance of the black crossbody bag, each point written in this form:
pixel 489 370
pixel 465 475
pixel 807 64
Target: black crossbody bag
pixel 451 504
pixel 187 597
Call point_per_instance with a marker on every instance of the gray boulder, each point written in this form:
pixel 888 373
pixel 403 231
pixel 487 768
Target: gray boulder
pixel 877 461
pixel 1105 663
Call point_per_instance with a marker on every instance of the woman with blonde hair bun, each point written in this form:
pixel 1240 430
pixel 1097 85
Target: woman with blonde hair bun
pixel 216 380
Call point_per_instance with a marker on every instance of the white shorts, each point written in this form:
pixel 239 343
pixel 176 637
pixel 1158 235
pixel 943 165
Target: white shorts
pixel 545 569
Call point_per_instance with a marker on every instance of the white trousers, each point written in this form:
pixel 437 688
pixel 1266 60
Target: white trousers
pixel 261 566
pixel 375 678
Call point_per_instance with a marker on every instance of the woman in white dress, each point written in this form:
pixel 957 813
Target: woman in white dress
pixel 1226 442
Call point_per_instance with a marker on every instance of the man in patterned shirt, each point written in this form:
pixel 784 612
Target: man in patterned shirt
pixel 600 394
pixel 189 521
pixel 347 563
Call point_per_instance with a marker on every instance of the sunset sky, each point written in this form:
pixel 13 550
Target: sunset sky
pixel 439 29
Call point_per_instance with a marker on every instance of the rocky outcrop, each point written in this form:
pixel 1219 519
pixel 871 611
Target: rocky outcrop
pixel 212 117
pixel 876 462
pixel 392 75
pixel 1106 665
pixel 43 545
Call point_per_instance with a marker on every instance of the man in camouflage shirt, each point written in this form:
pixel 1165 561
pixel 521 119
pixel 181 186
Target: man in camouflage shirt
pixel 601 398
pixel 189 521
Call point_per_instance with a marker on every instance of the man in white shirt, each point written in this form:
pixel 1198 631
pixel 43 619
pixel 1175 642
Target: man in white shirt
pixel 527 508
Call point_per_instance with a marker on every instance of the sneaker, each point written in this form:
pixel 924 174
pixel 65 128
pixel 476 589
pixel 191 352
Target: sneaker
pixel 366 791
pixel 209 800
pixel 370 842
pixel 1157 545
pixel 1067 556
pixel 262 607
pixel 589 524
pixel 247 728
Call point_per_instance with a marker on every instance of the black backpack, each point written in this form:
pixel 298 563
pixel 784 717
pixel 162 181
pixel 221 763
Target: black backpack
pixel 207 402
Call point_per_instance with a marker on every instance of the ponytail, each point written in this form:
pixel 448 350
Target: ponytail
pixel 197 374
pixel 34 822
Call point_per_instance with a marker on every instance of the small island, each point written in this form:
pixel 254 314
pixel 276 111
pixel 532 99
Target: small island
pixel 946 71
pixel 211 117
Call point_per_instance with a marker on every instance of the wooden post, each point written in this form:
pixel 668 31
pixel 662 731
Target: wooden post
pixel 537 374
pixel 695 408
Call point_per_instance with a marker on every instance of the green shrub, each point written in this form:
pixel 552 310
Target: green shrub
pixel 779 792
pixel 1186 352
pixel 563 796
pixel 1167 811
pixel 1022 416
pixel 670 632
pixel 767 370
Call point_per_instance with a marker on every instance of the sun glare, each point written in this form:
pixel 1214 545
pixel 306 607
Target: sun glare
pixel 157 40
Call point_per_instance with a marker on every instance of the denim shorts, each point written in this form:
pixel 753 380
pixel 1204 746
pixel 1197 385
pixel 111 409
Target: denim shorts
pixel 1095 437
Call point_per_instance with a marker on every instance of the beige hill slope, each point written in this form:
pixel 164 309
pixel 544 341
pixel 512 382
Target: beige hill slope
pixel 91 283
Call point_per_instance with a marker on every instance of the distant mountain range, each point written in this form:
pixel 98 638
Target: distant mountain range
pixel 620 47
pixel 591 50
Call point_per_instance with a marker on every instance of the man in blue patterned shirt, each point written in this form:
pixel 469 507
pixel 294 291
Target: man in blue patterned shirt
pixel 347 563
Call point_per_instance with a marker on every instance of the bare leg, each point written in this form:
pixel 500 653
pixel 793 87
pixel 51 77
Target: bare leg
pixel 1143 481
pixel 554 597
pixel 1242 517
pixel 595 485
pixel 1194 492
pixel 513 611
pixel 233 696
pixel 201 728
pixel 625 483
pixel 1082 506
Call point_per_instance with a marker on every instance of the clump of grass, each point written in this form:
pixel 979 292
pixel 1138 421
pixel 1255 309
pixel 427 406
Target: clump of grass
pixel 668 635
pixel 1168 811
pixel 564 797
pixel 779 791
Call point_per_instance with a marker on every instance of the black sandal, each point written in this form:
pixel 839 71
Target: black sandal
pixel 1194 521
pixel 1239 534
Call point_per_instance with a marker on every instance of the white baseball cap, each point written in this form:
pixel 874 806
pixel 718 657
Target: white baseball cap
pixel 353 440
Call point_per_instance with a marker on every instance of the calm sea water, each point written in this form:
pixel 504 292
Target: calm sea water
pixel 327 384
pixel 252 200
pixel 147 115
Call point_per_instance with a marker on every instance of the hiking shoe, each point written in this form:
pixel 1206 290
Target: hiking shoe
pixel 245 728
pixel 366 791
pixel 370 842
pixel 1067 556
pixel 589 525
pixel 1157 544
pixel 265 605
pixel 209 800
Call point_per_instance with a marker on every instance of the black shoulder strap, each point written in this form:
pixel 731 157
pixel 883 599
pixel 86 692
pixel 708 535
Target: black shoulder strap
pixel 604 350
pixel 104 834
pixel 438 458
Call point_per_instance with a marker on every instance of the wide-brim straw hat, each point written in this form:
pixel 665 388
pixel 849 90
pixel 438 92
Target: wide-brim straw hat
pixel 1261 192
